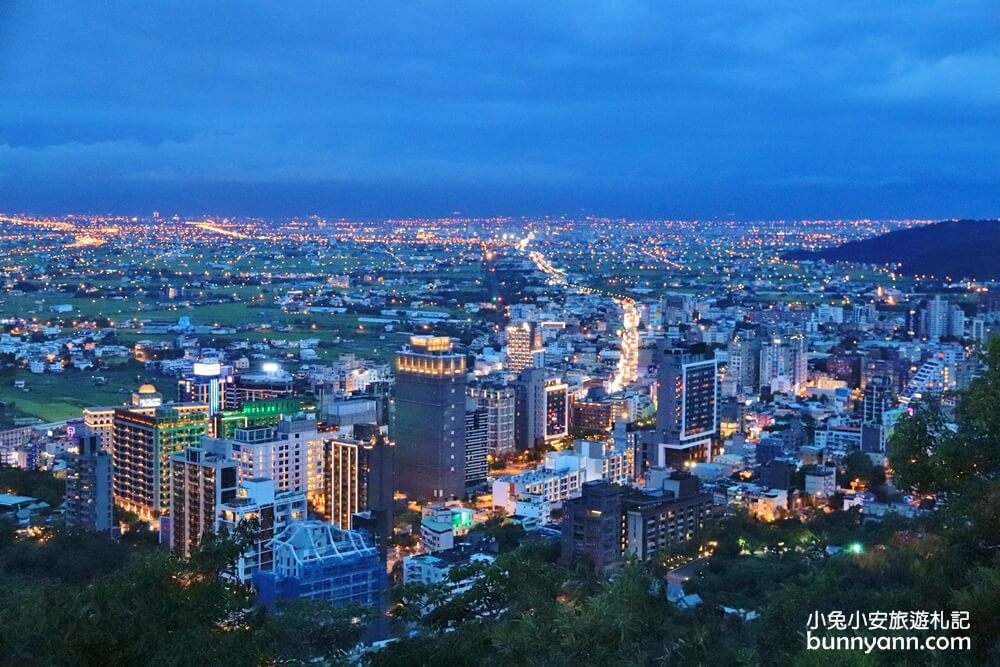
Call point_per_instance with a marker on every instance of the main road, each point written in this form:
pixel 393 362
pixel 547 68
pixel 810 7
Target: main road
pixel 626 372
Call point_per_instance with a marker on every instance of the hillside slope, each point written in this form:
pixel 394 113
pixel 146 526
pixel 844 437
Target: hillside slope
pixel 959 249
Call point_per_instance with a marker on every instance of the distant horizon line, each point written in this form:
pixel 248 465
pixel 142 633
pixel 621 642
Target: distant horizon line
pixel 460 217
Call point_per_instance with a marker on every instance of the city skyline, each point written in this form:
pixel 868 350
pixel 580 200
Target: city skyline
pixel 499 333
pixel 616 109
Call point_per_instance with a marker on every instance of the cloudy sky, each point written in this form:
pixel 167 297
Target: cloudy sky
pixel 654 109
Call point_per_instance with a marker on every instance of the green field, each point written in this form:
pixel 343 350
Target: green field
pixel 59 396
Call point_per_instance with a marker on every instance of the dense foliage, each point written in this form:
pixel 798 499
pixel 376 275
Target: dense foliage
pixel 83 599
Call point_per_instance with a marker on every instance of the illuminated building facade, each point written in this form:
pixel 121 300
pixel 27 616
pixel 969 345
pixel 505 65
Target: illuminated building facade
pixel 143 441
pixel 784 364
pixel 499 403
pixel 270 382
pixel 100 420
pixel 257 502
pixel 314 560
pixel 429 419
pixel 266 412
pixel 687 418
pixel 664 518
pixel 477 444
pixel 202 479
pixel 291 453
pixel 208 383
pixel 359 478
pixel 556 410
pixel 524 347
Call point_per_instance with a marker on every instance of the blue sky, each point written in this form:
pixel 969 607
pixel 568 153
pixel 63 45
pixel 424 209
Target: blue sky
pixel 372 109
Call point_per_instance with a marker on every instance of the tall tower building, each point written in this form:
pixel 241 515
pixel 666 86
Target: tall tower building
pixel 877 398
pixel 744 363
pixel 202 480
pixel 524 347
pixel 100 420
pixel 207 383
pixel 89 500
pixel 687 409
pixel 359 478
pixel 143 440
pixel 593 526
pixel 556 409
pixel 876 401
pixel 499 403
pixel 477 445
pixel 257 501
pixel 529 409
pixel 784 364
pixel 429 419
pixel 937 313
pixel 291 453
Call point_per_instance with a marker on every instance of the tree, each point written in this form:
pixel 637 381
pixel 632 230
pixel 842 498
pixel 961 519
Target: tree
pixel 302 632
pixel 82 599
pixel 858 466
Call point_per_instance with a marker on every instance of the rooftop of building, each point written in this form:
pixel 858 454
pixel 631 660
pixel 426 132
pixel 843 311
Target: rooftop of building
pixel 313 541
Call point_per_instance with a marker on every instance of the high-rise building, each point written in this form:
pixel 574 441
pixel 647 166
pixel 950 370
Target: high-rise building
pixel 608 522
pixel 256 503
pixel 935 317
pixel 670 512
pixel 429 419
pixel 529 409
pixel 875 400
pixel 524 347
pixel 477 445
pixel 556 409
pixel 687 419
pixel 202 479
pixel 359 479
pixel 207 383
pixel 744 363
pixel 598 412
pixel 592 526
pixel 89 499
pixel 784 364
pixel 143 440
pixel 499 403
pixel 100 421
pixel 291 453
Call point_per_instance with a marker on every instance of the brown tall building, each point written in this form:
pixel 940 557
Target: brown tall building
pixel 143 440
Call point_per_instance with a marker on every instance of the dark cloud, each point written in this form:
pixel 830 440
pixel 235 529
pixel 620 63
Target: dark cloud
pixel 385 108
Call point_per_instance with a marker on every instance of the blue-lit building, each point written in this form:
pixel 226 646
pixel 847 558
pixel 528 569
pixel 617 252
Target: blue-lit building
pixel 314 560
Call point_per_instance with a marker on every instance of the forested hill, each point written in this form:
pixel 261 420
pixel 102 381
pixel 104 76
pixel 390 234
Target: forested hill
pixel 959 249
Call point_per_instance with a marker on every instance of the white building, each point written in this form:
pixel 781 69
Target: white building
pixel 784 364
pixel 435 569
pixel 821 482
pixel 256 501
pixel 440 526
pixel 291 454
pixel 563 473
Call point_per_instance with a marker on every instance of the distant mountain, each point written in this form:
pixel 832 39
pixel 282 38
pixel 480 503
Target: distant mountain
pixel 959 249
